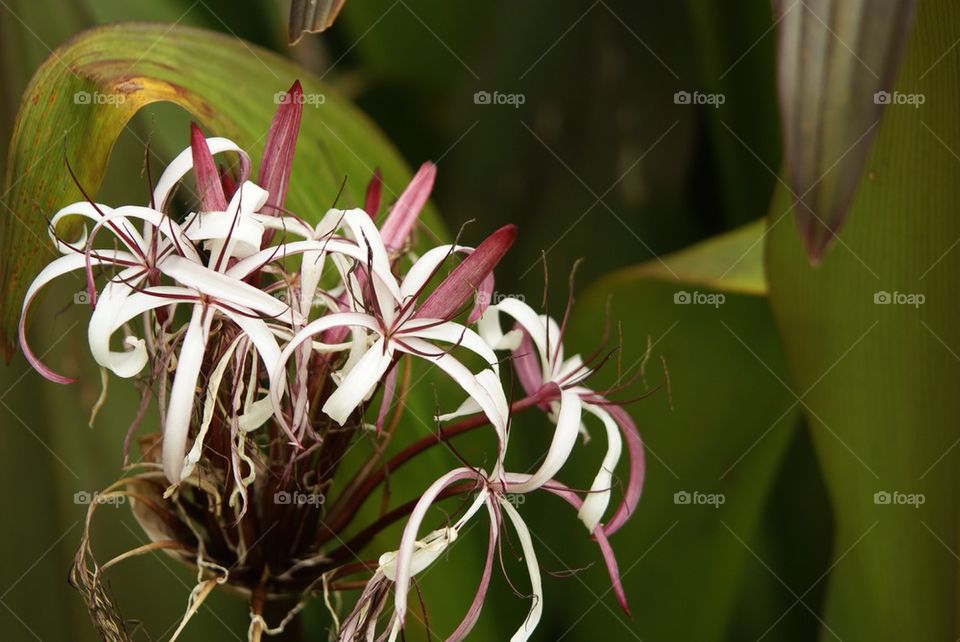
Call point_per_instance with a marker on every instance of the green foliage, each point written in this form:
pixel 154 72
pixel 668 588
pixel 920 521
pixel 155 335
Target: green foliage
pixel 878 370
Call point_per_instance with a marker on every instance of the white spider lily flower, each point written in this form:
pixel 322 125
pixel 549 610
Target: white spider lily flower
pixel 539 359
pixel 166 250
pixel 397 324
pixel 415 555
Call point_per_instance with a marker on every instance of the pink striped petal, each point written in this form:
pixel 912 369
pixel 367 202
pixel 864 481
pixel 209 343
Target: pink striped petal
pixel 371 203
pixel 561 490
pixel 389 389
pixel 609 559
pixel 482 299
pixel 473 614
pixel 277 160
pixel 209 187
pixel 467 278
pixel 631 496
pixel 396 229
pixel 56 268
pixel 527 364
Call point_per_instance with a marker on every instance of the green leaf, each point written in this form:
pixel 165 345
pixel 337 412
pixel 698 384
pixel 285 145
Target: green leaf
pixel 730 423
pixel 731 262
pixel 879 380
pixel 223 82
pixel 834 57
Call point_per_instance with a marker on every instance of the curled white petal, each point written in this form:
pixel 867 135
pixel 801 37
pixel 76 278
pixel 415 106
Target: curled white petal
pixel 564 438
pixel 117 304
pixel 597 500
pixel 183 163
pixel 530 558
pixel 183 393
pixel 360 382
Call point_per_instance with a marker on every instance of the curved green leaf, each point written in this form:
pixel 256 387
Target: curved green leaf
pixel 873 342
pixel 731 262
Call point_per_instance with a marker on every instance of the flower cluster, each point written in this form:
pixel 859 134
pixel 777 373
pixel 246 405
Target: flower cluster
pixel 265 336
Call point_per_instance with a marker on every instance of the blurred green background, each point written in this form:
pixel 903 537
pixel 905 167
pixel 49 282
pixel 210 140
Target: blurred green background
pixel 593 155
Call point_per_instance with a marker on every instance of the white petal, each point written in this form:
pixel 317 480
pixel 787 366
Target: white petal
pixel 360 382
pixel 209 405
pixel 429 548
pixel 425 267
pixel 245 233
pixel 488 326
pixel 591 512
pixel 289 224
pixel 117 304
pixel 64 264
pixel 367 236
pixel 312 329
pixel 408 542
pixel 183 163
pixel 224 288
pixel 80 208
pixel 493 407
pixel 536 587
pixel 564 438
pixel 468 407
pixel 183 393
pixel 250 264
pixel 269 351
pixel 454 333
pixel 426 551
pixel 170 232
